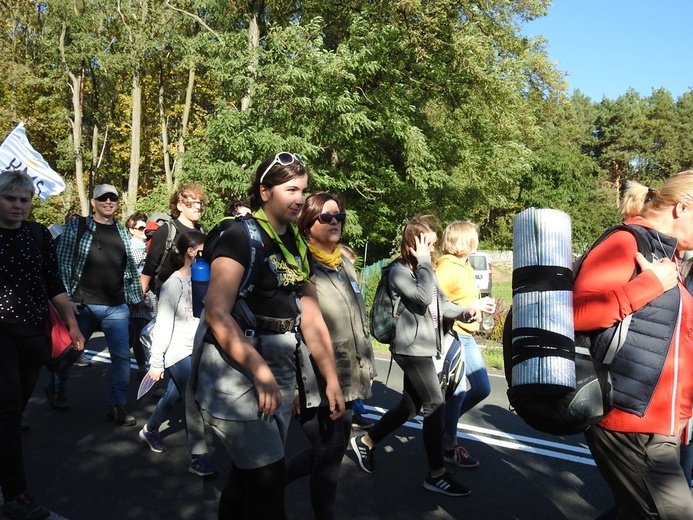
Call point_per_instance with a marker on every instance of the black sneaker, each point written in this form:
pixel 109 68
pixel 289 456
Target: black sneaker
pixel 446 484
pixel 23 507
pixel 359 421
pixel 82 362
pixel 364 454
pixel 461 457
pixel 118 414
pixel 57 399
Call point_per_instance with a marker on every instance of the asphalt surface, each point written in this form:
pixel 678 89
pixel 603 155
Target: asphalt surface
pixel 84 468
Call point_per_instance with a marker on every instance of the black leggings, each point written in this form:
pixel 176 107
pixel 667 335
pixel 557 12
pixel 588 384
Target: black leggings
pixel 254 494
pixel 23 349
pixel 421 392
pixel 322 461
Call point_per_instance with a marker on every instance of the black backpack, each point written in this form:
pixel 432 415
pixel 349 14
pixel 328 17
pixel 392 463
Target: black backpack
pixel 574 411
pixel 386 309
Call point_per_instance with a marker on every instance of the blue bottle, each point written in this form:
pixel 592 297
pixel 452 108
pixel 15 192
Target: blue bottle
pixel 199 274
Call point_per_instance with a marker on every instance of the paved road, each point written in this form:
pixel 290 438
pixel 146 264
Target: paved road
pixel 84 468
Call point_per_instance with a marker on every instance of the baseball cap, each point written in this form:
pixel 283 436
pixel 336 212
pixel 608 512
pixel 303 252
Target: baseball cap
pixel 102 189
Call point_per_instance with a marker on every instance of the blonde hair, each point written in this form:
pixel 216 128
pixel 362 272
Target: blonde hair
pixel 460 238
pixel 638 200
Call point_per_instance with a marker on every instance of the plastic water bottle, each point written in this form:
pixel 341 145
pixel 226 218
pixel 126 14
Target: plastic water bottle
pixel 199 274
pixel 487 323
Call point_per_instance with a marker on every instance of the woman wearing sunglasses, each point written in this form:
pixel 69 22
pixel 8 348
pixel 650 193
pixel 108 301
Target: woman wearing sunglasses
pixel 139 317
pixel 247 374
pixel 321 223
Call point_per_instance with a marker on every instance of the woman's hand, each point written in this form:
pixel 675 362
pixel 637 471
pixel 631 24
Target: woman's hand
pixel 156 375
pixel 422 246
pixel 473 315
pixel 336 400
pixel 664 269
pixel 486 304
pixel 269 398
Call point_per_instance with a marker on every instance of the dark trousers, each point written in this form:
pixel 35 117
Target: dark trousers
pixel 23 349
pixel 254 494
pixel 421 392
pixel 322 461
pixel 643 472
pixel 135 330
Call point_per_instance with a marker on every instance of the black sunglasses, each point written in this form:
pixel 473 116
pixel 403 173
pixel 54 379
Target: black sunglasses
pixel 107 196
pixel 326 218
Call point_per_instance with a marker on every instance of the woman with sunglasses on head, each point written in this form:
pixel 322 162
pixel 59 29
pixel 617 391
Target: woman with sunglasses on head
pixel 247 372
pixel 186 206
pixel 321 223
pixel 418 337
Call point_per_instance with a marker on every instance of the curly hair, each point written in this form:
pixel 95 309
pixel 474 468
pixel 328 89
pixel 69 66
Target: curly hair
pixel 185 191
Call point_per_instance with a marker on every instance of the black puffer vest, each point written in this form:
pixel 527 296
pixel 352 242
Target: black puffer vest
pixel 638 366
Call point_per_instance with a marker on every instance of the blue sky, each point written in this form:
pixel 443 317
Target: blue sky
pixel 607 46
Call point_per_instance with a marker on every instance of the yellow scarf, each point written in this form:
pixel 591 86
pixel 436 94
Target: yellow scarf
pixel 333 259
pixel 302 271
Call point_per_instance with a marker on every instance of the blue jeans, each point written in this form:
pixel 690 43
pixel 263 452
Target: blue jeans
pixel 177 383
pixel 464 400
pixel 113 321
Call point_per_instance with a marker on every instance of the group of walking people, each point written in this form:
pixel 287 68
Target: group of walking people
pixel 284 334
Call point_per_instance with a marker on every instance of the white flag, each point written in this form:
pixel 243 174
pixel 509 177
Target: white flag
pixel 17 154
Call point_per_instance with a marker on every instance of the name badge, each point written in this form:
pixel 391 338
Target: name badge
pixel 356 288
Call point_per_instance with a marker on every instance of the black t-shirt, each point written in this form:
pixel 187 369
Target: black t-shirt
pixel 157 247
pixel 276 280
pixel 102 279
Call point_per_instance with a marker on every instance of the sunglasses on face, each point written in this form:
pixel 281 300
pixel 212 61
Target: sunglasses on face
pixel 140 228
pixel 191 203
pixel 12 199
pixel 107 196
pixel 326 218
pixel 285 159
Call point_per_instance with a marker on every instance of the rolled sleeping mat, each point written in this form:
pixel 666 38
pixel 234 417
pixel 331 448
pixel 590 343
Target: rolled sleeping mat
pixel 543 345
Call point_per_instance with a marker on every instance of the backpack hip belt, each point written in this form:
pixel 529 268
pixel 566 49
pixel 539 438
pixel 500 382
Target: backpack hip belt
pixel 276 325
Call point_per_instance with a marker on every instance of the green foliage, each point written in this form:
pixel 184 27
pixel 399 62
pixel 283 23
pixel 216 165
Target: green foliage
pixel 400 107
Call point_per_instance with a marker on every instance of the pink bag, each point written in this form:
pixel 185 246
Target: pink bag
pixel 58 336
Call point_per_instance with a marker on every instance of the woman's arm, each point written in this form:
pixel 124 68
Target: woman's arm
pixel 604 292
pixel 225 278
pixel 317 337
pixel 417 289
pixel 67 309
pixel 165 324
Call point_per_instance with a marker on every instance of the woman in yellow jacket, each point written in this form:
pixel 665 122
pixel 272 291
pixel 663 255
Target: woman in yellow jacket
pixel 456 277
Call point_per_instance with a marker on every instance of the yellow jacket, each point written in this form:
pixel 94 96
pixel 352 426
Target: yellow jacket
pixel 456 278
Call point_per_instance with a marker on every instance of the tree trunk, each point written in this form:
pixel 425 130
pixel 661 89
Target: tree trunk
pixel 253 46
pixel 76 125
pixel 164 137
pixel 133 180
pixel 184 125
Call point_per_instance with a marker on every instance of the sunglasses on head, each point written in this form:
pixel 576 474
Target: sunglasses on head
pixel 326 218
pixel 107 196
pixel 285 159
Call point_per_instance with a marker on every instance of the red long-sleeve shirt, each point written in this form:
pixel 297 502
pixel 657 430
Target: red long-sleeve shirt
pixel 603 295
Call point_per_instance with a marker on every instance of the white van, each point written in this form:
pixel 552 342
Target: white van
pixel 483 275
